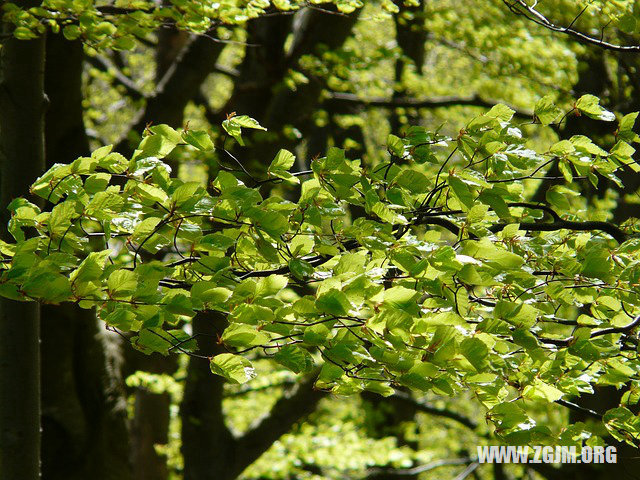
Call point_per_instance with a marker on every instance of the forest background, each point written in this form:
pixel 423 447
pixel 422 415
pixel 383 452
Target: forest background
pixel 316 76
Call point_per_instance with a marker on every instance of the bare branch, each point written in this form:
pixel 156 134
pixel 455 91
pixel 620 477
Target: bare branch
pixel 586 226
pixel 420 406
pixel 401 472
pixel 285 413
pixel 338 98
pixel 105 65
pixel 520 7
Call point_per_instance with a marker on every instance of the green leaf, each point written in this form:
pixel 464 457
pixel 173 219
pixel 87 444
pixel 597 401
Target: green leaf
pixel 418 377
pixel 625 129
pixel 184 193
pixel 283 160
pixel 210 293
pixel 395 146
pixel 546 110
pixel 91 267
pixel 247 122
pixel 199 139
pixel 301 269
pixel 590 106
pixel 144 229
pixel 486 250
pixel 461 192
pixel 542 391
pixel 233 126
pixel 508 415
pixel 242 335
pixel 151 193
pixel 401 298
pixel 234 368
pixel 413 181
pixel 316 335
pixel 501 112
pixel 49 287
pixel 122 283
pixel 270 285
pixel 160 144
pixel 60 218
pixel 333 302
pixel 152 340
pixel 476 351
pixel 596 263
pixel 295 358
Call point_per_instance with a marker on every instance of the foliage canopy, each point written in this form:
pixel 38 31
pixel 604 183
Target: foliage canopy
pixel 430 270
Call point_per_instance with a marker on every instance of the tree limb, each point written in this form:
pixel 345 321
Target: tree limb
pixel 180 84
pixel 287 411
pixel 339 98
pixel 520 7
pixel 408 400
pixel 586 226
pixel 401 472
pixel 105 65
pixel 565 342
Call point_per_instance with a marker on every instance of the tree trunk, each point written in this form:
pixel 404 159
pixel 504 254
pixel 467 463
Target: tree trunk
pixel 411 37
pixel 83 407
pixel 151 417
pixel 207 444
pixel 22 106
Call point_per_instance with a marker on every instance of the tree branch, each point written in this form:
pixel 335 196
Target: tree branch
pixel 520 7
pixel 180 84
pixel 586 226
pixel 338 98
pixel 565 342
pixel 578 408
pixel 408 400
pixel 401 472
pixel 284 414
pixel 105 65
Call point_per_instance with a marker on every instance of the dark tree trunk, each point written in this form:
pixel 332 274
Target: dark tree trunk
pixel 22 107
pixel 83 407
pixel 151 416
pixel 411 37
pixel 180 84
pixel 208 447
pixel 385 418
pixel 263 94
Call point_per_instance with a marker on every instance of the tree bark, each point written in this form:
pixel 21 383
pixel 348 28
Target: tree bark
pixel 411 37
pixel 151 416
pixel 208 446
pixel 22 106
pixel 83 406
pixel 180 84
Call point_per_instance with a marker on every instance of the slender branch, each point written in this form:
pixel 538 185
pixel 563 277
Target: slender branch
pixel 586 226
pixel 408 400
pixel 467 471
pixel 520 7
pixel 338 98
pixel 105 65
pixel 578 408
pixel 565 342
pixel 401 472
